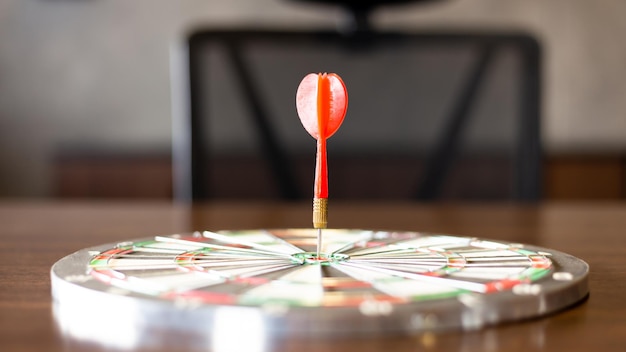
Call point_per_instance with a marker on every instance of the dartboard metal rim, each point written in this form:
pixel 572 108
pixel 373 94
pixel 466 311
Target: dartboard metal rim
pixel 79 300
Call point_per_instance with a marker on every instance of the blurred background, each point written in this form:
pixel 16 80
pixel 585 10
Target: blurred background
pixel 86 104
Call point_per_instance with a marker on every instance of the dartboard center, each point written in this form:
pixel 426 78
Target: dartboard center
pixel 312 258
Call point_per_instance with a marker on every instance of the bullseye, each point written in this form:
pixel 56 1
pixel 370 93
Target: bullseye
pixel 311 258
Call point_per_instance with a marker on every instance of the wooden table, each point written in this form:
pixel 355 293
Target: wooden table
pixel 34 235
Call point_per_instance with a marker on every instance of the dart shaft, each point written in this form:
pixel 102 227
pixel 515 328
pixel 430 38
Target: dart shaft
pixel 321 171
pixel 323 112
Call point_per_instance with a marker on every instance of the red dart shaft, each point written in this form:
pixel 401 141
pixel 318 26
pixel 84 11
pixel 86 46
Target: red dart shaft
pixel 321 171
pixel 323 112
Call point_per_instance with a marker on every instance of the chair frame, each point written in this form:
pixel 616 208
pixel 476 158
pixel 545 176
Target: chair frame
pixel 189 148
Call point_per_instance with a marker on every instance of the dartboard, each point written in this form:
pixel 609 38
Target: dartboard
pixel 360 282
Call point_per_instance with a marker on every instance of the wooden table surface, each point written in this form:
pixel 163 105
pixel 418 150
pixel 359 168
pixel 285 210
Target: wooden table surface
pixel 34 235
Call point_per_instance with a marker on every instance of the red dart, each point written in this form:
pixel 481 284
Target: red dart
pixel 321 102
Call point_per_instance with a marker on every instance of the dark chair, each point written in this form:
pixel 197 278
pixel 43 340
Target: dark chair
pixel 432 115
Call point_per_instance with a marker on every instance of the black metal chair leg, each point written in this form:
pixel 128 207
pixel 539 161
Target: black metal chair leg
pixel 279 163
pixel 439 163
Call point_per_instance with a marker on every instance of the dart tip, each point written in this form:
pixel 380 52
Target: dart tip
pixel 319 243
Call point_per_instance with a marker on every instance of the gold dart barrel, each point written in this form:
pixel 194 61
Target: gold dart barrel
pixel 320 213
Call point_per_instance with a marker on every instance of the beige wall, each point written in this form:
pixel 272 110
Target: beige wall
pixel 585 61
pixel 96 71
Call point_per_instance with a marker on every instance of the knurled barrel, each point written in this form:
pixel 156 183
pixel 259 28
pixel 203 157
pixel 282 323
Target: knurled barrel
pixel 320 213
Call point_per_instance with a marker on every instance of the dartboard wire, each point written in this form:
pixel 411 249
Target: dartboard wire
pixel 225 251
pixel 489 252
pixel 137 256
pixel 109 259
pixel 475 273
pixel 405 259
pixel 402 262
pixel 392 288
pixel 409 267
pixel 402 257
pixel 444 281
pixel 217 266
pixel 159 250
pixel 205 258
pixel 227 246
pixel 302 274
pixel 366 236
pixel 494 258
pixel 399 253
pixel 287 290
pixel 134 266
pixel 201 279
pixel 130 262
pixel 223 256
pixel 486 247
pixel 162 244
pixel 248 272
pixel 294 285
pixel 194 283
pixel 496 265
pixel 228 255
pixel 486 260
pixel 387 248
pixel 200 245
pixel 236 241
pixel 409 258
pixel 103 266
pixel 443 249
pixel 298 285
pixel 293 288
pixel 213 261
pixel 424 241
pixel 400 245
pixel 284 242
pixel 517 261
